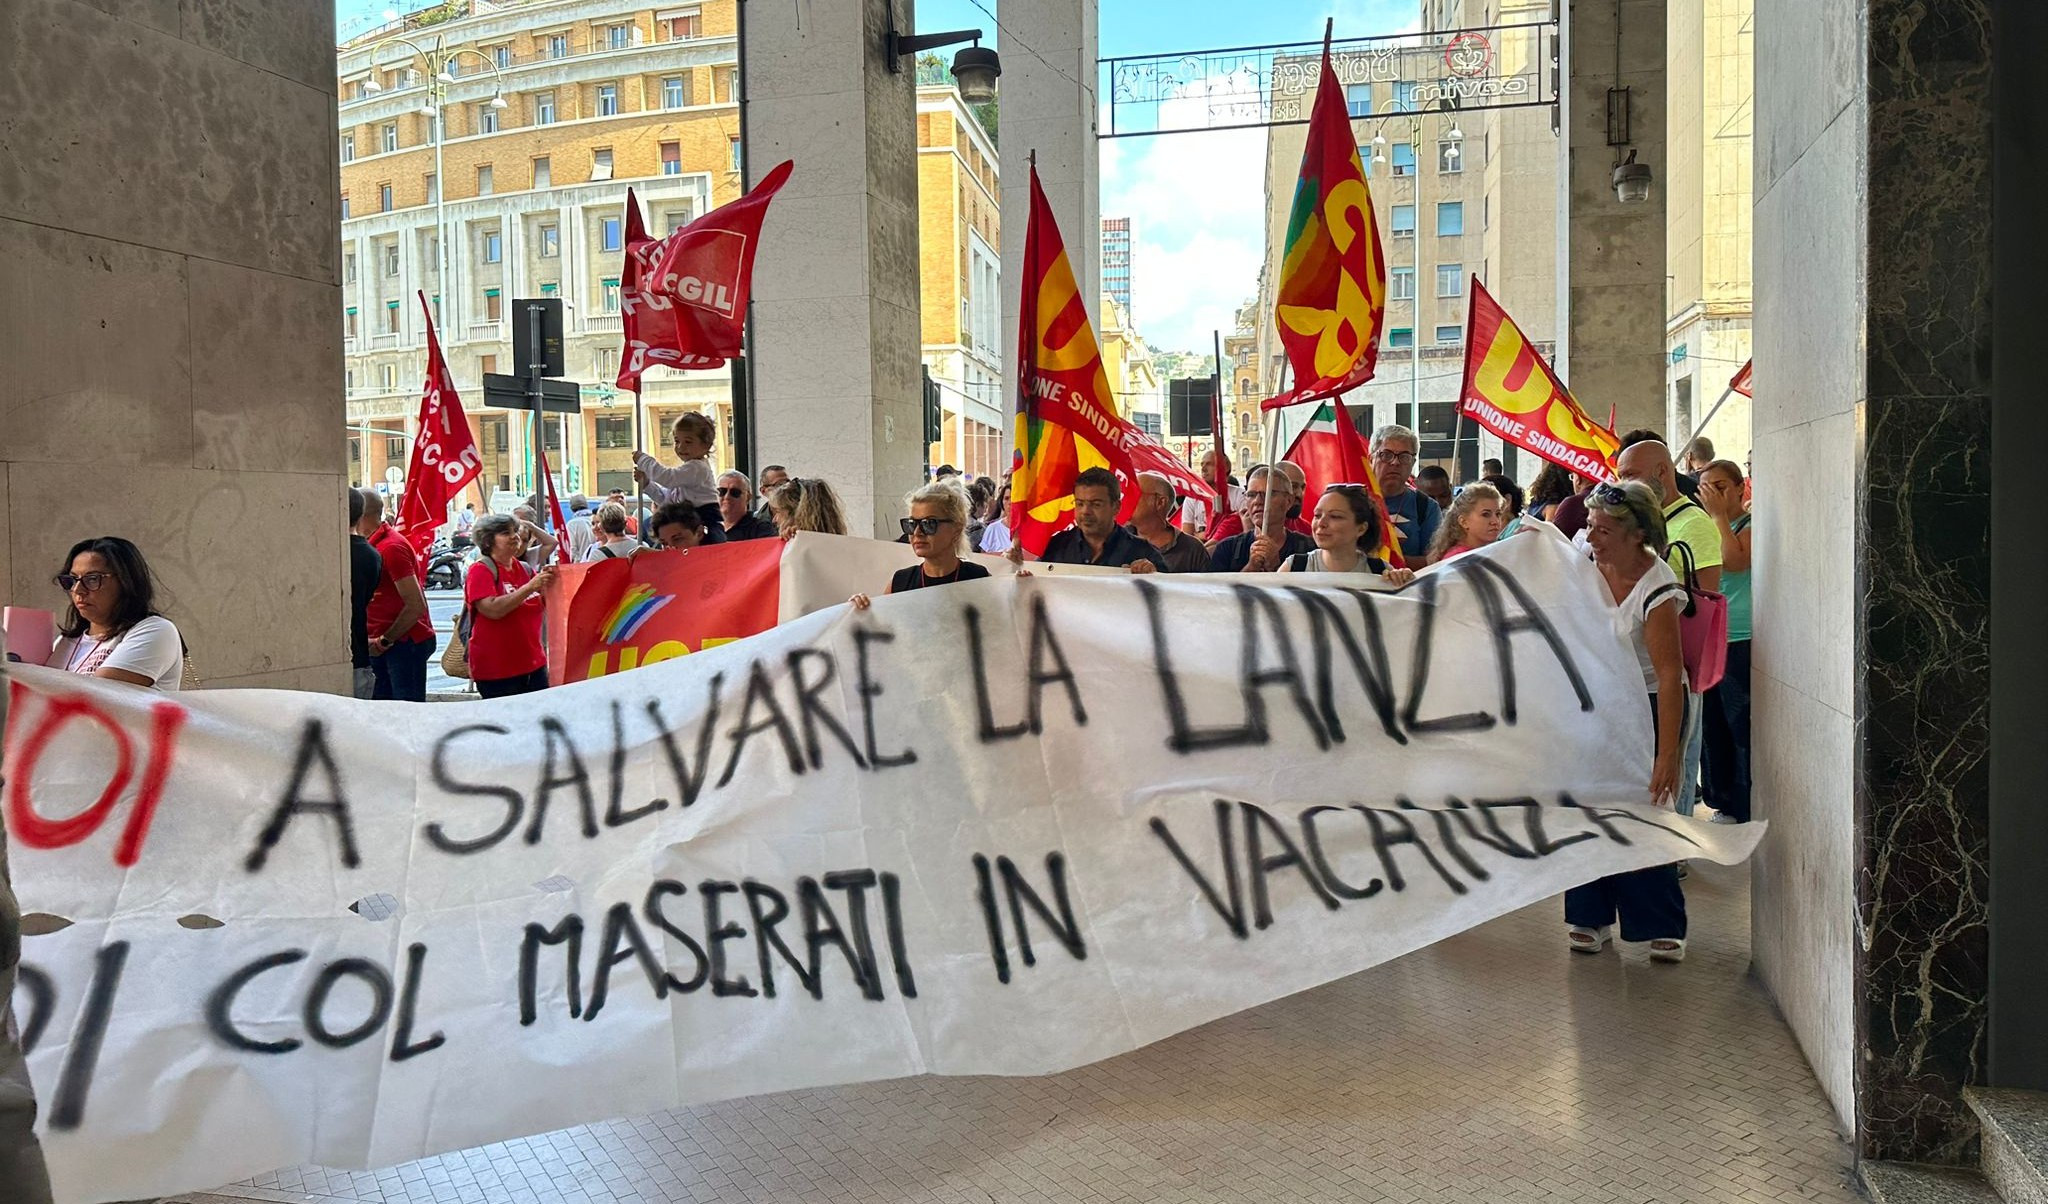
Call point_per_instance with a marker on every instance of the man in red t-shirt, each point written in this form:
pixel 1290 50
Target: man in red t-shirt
pixel 401 631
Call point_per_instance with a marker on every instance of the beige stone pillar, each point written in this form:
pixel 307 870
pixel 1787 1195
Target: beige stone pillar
pixel 1613 349
pixel 835 299
pixel 170 326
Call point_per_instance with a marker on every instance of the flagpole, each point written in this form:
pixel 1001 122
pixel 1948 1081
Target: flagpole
pixel 1457 440
pixel 639 489
pixel 1725 395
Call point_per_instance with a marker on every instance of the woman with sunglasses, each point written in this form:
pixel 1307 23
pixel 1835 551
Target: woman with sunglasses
pixel 1625 529
pixel 110 627
pixel 937 528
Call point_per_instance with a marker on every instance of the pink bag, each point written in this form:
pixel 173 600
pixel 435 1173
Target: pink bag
pixel 1702 628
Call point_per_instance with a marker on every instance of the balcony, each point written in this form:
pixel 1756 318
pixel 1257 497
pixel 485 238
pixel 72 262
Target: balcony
pixel 603 324
pixel 384 341
pixel 486 332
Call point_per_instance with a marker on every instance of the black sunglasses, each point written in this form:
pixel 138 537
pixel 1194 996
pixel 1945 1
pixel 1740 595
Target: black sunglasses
pixel 91 581
pixel 926 527
pixel 729 491
pixel 1610 495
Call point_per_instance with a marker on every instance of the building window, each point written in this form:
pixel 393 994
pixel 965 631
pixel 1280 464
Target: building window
pixel 607 100
pixel 433 183
pixel 391 317
pixel 391 259
pixel 1450 158
pixel 1450 280
pixel 431 245
pixel 494 305
pixel 494 247
pixel 344 206
pixel 389 375
pixel 558 45
pixel 434 128
pixel 611 234
pixel 1400 336
pixel 435 301
pixel 384 197
pixel 684 26
pixel 544 108
pixel 1450 334
pixel 485 183
pixel 1404 96
pixel 348 323
pixel 672 93
pixel 726 82
pixel 735 154
pixel 610 296
pixel 348 385
pixel 671 158
pixel 486 119
pixel 676 219
pixel 389 138
pixel 501 55
pixel 601 164
pixel 1401 284
pixel 1358 100
pixel 394 447
pixel 348 269
pixel 1403 222
pixel 550 242
pixel 605 363
pixel 1450 218
pixel 348 148
pixel 1403 154
pixel 618 37
pixel 613 431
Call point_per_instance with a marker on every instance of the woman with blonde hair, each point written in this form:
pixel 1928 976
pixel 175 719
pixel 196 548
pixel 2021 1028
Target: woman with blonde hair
pixel 1625 530
pixel 937 529
pixel 612 541
pixel 806 504
pixel 1474 520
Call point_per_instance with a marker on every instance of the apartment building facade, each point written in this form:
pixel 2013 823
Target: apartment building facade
pixel 960 279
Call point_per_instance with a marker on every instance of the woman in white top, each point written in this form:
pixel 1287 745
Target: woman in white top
pixel 1625 529
pixel 111 628
pixel 1346 527
pixel 612 541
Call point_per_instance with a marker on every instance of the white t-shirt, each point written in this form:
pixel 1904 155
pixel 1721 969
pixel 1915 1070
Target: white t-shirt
pixel 1194 512
pixel 692 481
pixel 1631 612
pixel 995 537
pixel 621 548
pixel 149 649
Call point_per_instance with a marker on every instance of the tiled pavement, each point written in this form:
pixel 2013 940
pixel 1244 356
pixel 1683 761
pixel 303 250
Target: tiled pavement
pixel 1496 1067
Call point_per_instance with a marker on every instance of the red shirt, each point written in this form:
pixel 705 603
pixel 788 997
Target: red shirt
pixel 399 561
pixel 507 647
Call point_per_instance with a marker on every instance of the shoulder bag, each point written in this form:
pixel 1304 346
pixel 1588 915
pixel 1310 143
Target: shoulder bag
pixel 1702 626
pixel 455 657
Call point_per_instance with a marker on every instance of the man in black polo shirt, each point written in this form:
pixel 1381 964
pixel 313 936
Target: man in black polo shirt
pixel 1096 537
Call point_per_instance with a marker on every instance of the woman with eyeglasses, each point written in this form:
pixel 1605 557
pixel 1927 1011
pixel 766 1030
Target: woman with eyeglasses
pixel 937 528
pixel 1346 528
pixel 806 504
pixel 1625 528
pixel 506 613
pixel 110 627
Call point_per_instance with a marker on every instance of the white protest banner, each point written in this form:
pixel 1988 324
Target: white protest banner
pixel 822 571
pixel 1007 827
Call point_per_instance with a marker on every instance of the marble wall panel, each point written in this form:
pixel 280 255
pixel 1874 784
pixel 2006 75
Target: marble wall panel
pixel 1802 910
pixel 1803 584
pixel 238 163
pixel 261 401
pixel 292 38
pixel 1809 73
pixel 1808 333
pixel 96 339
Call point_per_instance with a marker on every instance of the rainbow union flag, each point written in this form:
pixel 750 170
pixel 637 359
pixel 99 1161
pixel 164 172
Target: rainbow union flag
pixel 634 609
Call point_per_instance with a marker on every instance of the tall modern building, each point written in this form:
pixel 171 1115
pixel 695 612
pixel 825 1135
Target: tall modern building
pixel 516 187
pixel 1457 194
pixel 1707 205
pixel 960 278
pixel 1116 260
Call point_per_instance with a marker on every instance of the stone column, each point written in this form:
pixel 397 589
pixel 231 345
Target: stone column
pixel 1048 106
pixel 1872 568
pixel 835 298
pixel 170 328
pixel 1613 347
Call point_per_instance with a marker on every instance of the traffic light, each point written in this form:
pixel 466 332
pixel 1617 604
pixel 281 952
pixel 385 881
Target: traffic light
pixel 934 416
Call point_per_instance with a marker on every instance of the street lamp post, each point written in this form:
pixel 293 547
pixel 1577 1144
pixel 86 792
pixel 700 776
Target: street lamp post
pixel 438 62
pixel 1456 137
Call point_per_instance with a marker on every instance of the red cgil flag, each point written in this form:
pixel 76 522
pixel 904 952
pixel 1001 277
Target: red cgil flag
pixel 444 457
pixel 1741 383
pixel 560 521
pixel 1330 451
pixel 685 296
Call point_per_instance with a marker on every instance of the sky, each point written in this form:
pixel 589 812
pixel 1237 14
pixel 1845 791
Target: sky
pixel 1196 201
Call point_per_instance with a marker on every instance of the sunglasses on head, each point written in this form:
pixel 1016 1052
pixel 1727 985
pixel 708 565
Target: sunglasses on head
pixel 926 527
pixel 1610 495
pixel 90 581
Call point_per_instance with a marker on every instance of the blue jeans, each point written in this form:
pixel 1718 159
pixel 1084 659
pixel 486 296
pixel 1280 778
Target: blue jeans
pixel 401 673
pixel 1650 902
pixel 1693 732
